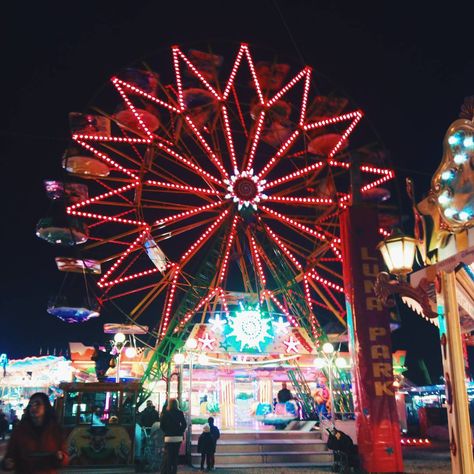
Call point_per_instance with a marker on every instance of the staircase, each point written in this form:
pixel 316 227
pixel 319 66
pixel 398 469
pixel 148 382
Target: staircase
pixel 278 448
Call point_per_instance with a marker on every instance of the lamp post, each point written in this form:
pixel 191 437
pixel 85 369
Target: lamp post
pixel 330 359
pixel 191 357
pixel 398 252
pixel 119 343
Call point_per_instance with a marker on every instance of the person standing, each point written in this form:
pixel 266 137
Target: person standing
pixel 3 425
pixel 216 434
pixel 149 415
pixel 206 446
pixel 37 444
pixel 284 395
pixel 173 424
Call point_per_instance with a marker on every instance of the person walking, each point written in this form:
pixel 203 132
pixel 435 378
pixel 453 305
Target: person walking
pixel 173 424
pixel 216 434
pixel 207 447
pixel 37 444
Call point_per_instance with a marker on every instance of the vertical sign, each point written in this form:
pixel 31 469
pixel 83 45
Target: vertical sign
pixel 378 429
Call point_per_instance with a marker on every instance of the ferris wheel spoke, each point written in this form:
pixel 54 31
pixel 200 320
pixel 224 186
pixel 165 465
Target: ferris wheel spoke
pixel 283 247
pixel 280 153
pixel 296 174
pixel 182 187
pixel 202 238
pixel 258 262
pixel 287 220
pixel 304 201
pixel 206 147
pixel 228 246
pixel 187 214
pixel 196 169
pixel 229 138
pixel 255 139
pixel 274 299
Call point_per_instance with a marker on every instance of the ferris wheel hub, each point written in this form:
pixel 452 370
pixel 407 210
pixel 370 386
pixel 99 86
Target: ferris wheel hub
pixel 245 189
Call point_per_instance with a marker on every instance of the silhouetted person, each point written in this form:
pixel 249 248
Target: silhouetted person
pixel 173 424
pixel 284 395
pixel 216 434
pixel 206 446
pixel 149 415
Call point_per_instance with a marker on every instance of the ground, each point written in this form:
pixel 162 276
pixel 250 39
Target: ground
pixel 432 460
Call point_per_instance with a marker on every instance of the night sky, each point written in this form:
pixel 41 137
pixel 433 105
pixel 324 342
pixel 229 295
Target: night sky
pixel 407 67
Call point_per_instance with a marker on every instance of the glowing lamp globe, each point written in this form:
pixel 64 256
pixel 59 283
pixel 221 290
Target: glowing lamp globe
pixel 191 344
pixel 130 352
pixel 341 363
pixel 319 363
pixel 203 359
pixel 178 358
pixel 398 252
pixel 119 338
pixel 328 348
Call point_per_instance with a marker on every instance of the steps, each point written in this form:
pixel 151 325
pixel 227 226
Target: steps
pixel 276 448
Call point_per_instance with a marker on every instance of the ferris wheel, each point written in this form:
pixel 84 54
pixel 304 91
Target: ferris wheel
pixel 216 183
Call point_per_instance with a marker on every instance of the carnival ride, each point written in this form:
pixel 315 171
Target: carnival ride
pixel 216 185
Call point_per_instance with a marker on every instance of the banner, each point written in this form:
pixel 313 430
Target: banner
pixel 378 429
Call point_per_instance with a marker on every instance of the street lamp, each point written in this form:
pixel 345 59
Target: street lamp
pixel 119 343
pixel 398 252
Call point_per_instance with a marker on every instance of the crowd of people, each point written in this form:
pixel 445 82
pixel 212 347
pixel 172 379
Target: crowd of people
pixel 37 443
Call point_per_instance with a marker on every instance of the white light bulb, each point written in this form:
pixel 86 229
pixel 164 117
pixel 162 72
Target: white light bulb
pixel 328 348
pixel 460 158
pixel 120 338
pixel 319 363
pixel 191 343
pixel 178 358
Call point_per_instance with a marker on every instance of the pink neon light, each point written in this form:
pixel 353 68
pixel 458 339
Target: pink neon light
pixel 136 90
pixel 315 276
pixel 227 250
pixel 256 256
pixel 177 72
pixel 304 104
pixel 233 73
pixel 301 200
pixel 284 248
pixel 92 215
pixel 253 74
pixel 104 138
pixel 132 108
pixel 189 163
pixel 197 73
pixel 280 307
pixel 228 135
pixel 204 236
pixel 282 150
pixel 310 305
pixel 186 214
pixel 105 158
pixel 132 246
pixel 208 149
pixel 182 187
pixel 287 87
pixel 103 196
pixel 170 301
pixel 292 222
pixel 296 174
pixel 128 277
pixel 256 139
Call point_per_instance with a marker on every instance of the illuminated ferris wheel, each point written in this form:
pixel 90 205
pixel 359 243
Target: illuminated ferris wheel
pixel 217 184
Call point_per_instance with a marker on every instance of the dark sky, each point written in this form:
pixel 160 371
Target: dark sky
pixel 407 66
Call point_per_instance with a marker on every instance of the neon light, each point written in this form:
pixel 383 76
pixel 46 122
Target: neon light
pixel 204 236
pixel 169 303
pixel 284 147
pixel 206 342
pixel 186 214
pixel 256 139
pixel 103 138
pixel 296 174
pixel 253 74
pixel 287 87
pixel 301 200
pixel 292 222
pixel 280 307
pixel 315 276
pixel 256 257
pixel 284 248
pixel 291 344
pixel 235 68
pixel 228 135
pixel 183 187
pixel 249 328
pixel 217 324
pixel 227 250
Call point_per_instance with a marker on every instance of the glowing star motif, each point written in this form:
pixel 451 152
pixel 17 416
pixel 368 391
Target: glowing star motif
pixel 217 324
pixel 250 329
pixel 206 342
pixel 280 326
pixel 291 345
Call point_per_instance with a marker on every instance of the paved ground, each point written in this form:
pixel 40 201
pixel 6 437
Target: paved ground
pixel 431 460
